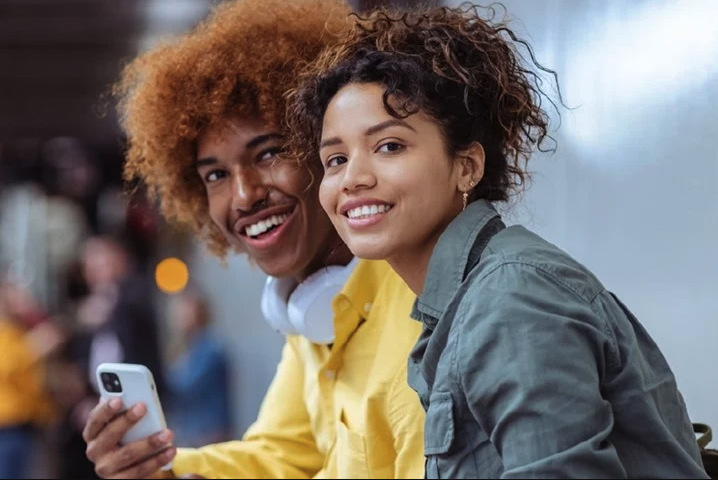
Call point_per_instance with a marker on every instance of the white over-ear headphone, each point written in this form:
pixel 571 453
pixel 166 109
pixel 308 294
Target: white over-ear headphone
pixel 306 308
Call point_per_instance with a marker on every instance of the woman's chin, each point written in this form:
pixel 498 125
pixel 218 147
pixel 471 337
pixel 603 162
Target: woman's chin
pixel 370 251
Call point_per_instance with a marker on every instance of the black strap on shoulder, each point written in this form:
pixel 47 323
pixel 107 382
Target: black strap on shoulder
pixel 494 226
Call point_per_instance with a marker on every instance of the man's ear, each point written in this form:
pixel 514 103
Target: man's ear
pixel 472 162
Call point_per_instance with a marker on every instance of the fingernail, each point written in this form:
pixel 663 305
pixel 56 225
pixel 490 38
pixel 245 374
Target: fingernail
pixel 138 410
pixel 170 454
pixel 165 437
pixel 116 404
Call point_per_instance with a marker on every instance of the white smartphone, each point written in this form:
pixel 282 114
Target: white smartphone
pixel 133 384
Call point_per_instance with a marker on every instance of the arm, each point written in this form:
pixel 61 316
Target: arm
pixel 280 444
pixel 532 356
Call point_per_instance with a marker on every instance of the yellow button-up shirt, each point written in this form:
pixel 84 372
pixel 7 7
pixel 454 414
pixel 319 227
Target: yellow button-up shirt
pixel 344 412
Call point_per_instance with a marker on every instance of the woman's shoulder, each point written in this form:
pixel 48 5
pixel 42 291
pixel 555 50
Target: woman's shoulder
pixel 520 259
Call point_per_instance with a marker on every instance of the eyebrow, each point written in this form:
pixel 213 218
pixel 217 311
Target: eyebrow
pixel 205 162
pixel 253 143
pixel 260 139
pixel 393 122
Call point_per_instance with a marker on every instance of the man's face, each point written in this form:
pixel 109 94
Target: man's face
pixel 265 206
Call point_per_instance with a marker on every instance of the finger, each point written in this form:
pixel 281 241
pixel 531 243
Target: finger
pixel 114 431
pixel 135 453
pixel 150 466
pixel 100 416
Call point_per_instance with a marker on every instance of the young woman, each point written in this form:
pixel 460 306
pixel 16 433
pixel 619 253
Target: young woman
pixel 204 118
pixel 528 366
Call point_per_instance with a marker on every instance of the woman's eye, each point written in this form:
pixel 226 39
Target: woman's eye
pixel 391 147
pixel 336 161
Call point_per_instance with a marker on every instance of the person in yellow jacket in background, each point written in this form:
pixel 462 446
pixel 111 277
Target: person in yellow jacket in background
pixel 204 121
pixel 26 339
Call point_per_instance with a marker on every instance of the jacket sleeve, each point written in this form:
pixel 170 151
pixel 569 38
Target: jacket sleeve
pixel 281 442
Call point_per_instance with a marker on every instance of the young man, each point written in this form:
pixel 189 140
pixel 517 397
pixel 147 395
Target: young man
pixel 204 117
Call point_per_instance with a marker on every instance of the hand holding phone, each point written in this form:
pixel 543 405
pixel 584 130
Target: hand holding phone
pixel 133 384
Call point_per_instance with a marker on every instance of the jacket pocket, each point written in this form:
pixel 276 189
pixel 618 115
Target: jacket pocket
pixel 351 453
pixel 438 432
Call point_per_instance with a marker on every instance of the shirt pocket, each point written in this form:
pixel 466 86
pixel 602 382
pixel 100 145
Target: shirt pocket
pixel 351 452
pixel 438 433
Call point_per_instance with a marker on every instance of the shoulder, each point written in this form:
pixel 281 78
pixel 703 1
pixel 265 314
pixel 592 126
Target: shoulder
pixel 525 284
pixel 521 259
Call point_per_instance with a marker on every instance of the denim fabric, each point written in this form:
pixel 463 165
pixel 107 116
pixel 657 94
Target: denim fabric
pixel 529 368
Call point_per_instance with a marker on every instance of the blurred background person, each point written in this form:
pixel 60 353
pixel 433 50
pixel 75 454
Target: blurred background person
pixel 27 339
pixel 116 321
pixel 119 311
pixel 198 380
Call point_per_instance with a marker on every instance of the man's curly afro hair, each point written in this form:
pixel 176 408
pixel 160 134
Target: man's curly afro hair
pixel 240 61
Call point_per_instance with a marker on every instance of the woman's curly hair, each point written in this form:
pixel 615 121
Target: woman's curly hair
pixel 240 61
pixel 464 71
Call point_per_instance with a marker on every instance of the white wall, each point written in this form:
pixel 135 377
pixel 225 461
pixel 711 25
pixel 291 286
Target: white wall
pixel 632 190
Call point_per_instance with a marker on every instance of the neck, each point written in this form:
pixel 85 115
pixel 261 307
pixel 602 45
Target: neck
pixel 337 255
pixel 413 265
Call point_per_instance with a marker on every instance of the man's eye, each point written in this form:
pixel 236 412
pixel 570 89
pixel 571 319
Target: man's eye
pixel 270 154
pixel 214 176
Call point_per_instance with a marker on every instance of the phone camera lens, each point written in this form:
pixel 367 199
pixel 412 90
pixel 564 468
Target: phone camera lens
pixel 111 382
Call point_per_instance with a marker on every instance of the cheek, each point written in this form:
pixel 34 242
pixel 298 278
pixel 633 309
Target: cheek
pixel 290 179
pixel 218 205
pixel 328 195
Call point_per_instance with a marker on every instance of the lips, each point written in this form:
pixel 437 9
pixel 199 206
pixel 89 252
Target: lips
pixel 263 220
pixel 367 210
pixel 364 206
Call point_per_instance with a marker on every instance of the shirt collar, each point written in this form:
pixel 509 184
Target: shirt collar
pixel 353 304
pixel 450 257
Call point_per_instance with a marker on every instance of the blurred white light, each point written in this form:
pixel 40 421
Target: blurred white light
pixel 636 58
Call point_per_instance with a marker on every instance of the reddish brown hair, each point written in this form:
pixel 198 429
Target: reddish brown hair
pixel 238 62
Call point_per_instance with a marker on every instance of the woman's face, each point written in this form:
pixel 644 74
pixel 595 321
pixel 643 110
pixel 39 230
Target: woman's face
pixel 264 206
pixel 390 187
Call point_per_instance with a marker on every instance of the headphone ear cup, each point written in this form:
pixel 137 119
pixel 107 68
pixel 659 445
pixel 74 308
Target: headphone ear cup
pixel 274 304
pixel 310 306
pixel 310 310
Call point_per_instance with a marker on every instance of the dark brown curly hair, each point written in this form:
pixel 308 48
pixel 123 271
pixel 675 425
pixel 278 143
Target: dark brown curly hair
pixel 465 71
pixel 240 61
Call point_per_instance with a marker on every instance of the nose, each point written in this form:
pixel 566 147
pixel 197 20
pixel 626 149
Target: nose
pixel 249 190
pixel 358 174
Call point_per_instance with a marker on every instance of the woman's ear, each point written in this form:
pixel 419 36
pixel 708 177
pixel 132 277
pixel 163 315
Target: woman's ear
pixel 472 162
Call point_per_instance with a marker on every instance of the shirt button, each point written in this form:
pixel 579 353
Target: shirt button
pixel 330 374
pixel 367 307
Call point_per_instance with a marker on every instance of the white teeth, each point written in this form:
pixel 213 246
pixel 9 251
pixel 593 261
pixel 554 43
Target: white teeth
pixel 264 225
pixel 367 210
